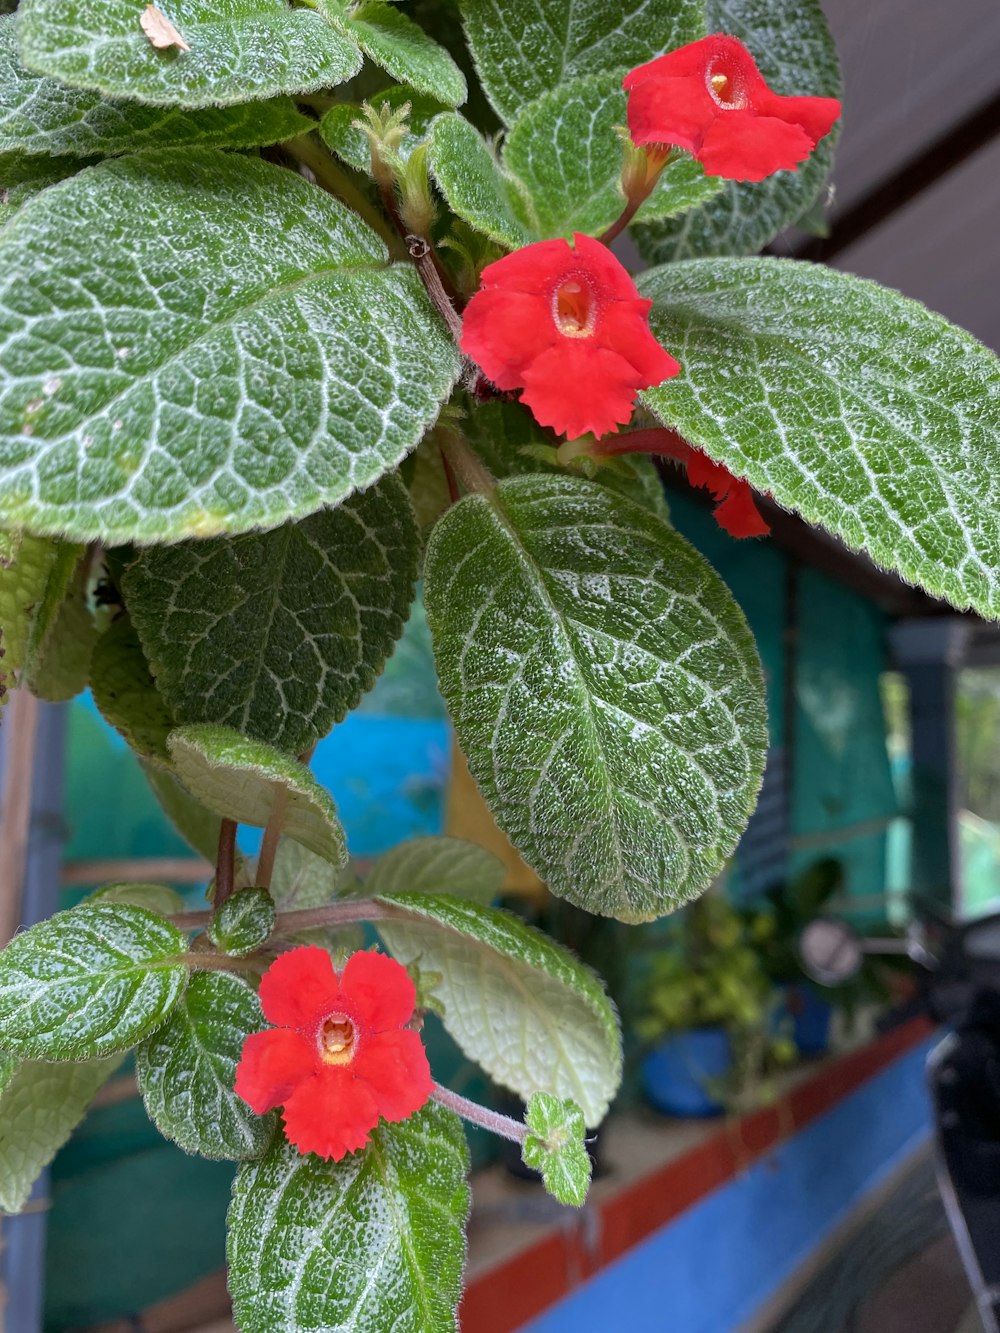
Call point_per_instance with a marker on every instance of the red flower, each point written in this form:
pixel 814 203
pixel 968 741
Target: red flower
pixel 339 1056
pixel 569 328
pixel 710 98
pixel 735 511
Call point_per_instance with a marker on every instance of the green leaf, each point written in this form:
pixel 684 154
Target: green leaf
pixel 604 687
pixel 302 879
pixel 89 982
pixel 861 410
pixel 506 438
pixel 40 115
pixel 565 153
pixel 243 922
pixel 303 616
pixel 196 825
pixel 792 44
pixel 28 176
pixel 34 576
pixel 241 51
pixel 58 666
pixel 391 39
pixel 157 898
pixel 241 779
pixel 475 184
pixel 126 695
pixel 351 144
pixel 186 1070
pixel 555 1147
pixel 540 1021
pixel 438 865
pixel 526 47
pixel 370 1243
pixel 231 351
pixel 40 1106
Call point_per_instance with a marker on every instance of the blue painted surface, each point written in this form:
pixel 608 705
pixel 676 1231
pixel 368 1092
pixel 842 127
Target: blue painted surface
pixel 710 1270
pixel 678 1075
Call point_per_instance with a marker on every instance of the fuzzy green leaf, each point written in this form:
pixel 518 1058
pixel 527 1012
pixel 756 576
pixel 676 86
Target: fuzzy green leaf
pixel 303 616
pixel 793 47
pixel 40 1106
pixel 245 356
pixel 58 667
pixel 35 575
pixel 126 695
pixel 541 1019
pixel 302 879
pixel 25 177
pixel 523 48
pixel 241 50
pixel 438 865
pixel 604 687
pixel 565 153
pixel 243 922
pixel 391 39
pixel 196 825
pixel 555 1147
pixel 186 1070
pixel 157 898
pixel 376 1239
pixel 861 410
pixel 241 779
pixel 41 116
pixel 89 982
pixel 475 184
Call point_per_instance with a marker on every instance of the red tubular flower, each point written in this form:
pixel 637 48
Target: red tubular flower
pixel 568 327
pixel 710 98
pixel 735 510
pixel 339 1056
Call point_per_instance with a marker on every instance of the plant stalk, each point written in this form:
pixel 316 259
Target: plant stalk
pixel 225 863
pixel 503 1125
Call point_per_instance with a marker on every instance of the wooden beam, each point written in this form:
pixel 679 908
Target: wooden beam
pixel 21 723
pixel 144 869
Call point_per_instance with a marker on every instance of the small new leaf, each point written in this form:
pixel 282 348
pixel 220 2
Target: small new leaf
pixel 377 1238
pixel 187 1068
pixel 241 779
pixel 243 922
pixel 555 1147
pixel 89 982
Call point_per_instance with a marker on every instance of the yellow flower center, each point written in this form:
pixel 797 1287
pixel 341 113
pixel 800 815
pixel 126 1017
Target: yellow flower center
pixel 573 309
pixel 727 90
pixel 336 1040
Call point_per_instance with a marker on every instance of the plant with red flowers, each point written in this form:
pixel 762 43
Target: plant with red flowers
pixel 268 353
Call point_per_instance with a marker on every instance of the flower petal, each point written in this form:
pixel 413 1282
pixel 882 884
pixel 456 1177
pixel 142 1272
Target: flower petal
pixel 394 1066
pixel 504 331
pixel 273 1064
pixel 299 989
pixel 672 111
pixel 331 1115
pixel 739 515
pixel 529 269
pixel 379 990
pixel 743 146
pixel 816 115
pixel 623 329
pixel 580 387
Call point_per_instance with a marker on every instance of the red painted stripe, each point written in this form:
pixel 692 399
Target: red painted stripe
pixel 517 1290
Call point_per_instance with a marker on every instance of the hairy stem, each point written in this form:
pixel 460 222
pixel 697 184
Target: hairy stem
pixel 331 177
pixel 503 1125
pixel 464 464
pixel 222 962
pixel 225 863
pixel 272 836
pixel 305 918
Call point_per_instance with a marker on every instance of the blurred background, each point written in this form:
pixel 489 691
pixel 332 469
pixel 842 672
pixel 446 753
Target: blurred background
pixel 766 1166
